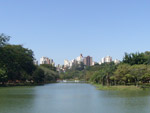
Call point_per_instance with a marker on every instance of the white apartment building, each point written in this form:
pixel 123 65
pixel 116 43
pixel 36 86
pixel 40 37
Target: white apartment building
pixel 46 60
pixel 103 60
pixel 106 59
pixel 116 61
pixel 71 63
pixel 80 59
pixel 66 63
pixel 51 61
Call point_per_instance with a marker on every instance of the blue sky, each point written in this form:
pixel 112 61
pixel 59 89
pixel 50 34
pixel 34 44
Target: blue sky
pixel 62 29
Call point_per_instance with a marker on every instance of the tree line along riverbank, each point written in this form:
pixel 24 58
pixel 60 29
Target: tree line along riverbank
pixel 17 66
pixel 132 73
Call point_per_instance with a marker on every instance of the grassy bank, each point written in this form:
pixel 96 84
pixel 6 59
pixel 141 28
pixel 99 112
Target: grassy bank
pixel 118 88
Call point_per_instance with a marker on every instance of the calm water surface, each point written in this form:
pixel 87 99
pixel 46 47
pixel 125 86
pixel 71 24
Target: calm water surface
pixel 72 98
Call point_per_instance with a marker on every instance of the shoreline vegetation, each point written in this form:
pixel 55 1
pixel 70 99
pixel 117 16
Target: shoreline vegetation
pixel 121 88
pixel 25 84
pixel 98 86
pixel 133 73
pixel 17 68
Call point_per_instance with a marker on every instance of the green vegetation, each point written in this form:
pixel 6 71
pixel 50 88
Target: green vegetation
pixel 17 67
pixel 118 88
pixel 134 70
pixel 76 72
pixel 50 73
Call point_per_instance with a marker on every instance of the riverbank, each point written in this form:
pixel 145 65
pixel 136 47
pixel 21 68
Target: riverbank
pixel 24 84
pixel 120 87
pixel 21 84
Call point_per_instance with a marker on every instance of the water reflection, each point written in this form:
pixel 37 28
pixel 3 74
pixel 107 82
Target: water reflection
pixel 72 98
pixel 16 99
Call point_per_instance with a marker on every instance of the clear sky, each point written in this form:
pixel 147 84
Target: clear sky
pixel 62 29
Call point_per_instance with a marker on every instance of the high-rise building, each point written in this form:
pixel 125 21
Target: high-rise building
pixel 88 61
pixel 103 60
pixel 106 59
pixel 51 61
pixel 66 63
pixel 116 61
pixel 74 62
pixel 80 59
pixel 44 60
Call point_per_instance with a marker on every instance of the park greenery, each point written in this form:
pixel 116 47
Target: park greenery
pixel 17 66
pixel 133 70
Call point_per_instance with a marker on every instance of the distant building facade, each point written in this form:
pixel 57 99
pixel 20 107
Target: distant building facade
pixel 66 63
pixel 116 61
pixel 106 59
pixel 103 60
pixel 69 64
pixel 46 60
pixel 80 59
pixel 88 61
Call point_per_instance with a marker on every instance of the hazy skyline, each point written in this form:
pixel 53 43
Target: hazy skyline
pixel 62 29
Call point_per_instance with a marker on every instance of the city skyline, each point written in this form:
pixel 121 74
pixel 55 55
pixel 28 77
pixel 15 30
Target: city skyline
pixel 77 60
pixel 63 29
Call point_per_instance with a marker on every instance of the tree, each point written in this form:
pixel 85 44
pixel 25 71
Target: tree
pixel 17 61
pixel 3 76
pixel 146 78
pixel 99 77
pixel 50 74
pixel 38 76
pixel 147 57
pixel 138 71
pixel 121 72
pixel 49 66
pixel 137 58
pixel 103 75
pixel 3 39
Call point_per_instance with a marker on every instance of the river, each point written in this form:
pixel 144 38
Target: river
pixel 72 98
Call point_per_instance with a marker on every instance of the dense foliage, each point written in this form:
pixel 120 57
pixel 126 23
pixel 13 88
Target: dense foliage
pixel 50 73
pixel 133 70
pixel 137 58
pixel 16 65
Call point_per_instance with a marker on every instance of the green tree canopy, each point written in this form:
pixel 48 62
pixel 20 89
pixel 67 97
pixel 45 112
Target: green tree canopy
pixel 16 60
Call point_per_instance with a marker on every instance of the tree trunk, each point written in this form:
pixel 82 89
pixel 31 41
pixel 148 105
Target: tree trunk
pixel 107 80
pixel 103 81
